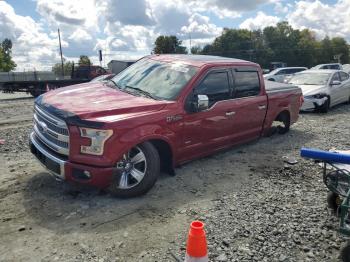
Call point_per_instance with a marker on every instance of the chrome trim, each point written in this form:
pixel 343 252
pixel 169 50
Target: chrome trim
pixel 53 133
pixel 48 155
pixel 50 118
pixel 58 149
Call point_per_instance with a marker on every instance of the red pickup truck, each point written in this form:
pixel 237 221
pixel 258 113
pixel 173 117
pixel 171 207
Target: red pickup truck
pixel 160 112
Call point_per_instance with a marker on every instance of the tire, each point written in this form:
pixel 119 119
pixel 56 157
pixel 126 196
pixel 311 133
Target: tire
pixel 271 79
pixel 333 202
pixel 124 183
pixel 345 253
pixel 325 107
pixel 285 119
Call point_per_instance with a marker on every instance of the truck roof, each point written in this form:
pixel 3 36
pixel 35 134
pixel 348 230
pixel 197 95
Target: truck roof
pixel 199 60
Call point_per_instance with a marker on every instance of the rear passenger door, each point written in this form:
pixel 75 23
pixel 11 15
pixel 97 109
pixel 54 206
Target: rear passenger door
pixel 249 104
pixel 337 91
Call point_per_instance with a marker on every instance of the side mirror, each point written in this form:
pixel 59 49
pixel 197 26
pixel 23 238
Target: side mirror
pixel 335 83
pixel 202 102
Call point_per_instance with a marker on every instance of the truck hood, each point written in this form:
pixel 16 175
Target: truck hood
pixel 313 89
pixel 97 102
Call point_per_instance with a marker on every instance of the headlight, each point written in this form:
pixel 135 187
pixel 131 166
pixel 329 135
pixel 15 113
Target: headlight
pixel 98 138
pixel 317 96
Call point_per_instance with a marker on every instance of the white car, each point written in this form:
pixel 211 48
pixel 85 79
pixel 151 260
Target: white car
pixel 280 74
pixel 322 88
pixel 334 66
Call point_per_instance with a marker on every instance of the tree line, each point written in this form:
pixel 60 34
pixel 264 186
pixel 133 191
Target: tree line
pixel 280 43
pixel 6 62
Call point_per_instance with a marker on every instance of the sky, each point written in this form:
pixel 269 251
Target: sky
pixel 127 29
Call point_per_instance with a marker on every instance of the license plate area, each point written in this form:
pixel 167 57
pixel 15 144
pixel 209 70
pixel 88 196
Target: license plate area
pixel 47 162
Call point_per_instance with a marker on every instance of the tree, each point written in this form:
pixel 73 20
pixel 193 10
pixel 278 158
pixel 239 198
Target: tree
pixel 196 50
pixel 67 68
pixel 168 45
pixel 84 60
pixel 278 43
pixel 6 62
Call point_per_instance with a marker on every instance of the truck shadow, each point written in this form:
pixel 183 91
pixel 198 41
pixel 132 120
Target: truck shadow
pixel 66 208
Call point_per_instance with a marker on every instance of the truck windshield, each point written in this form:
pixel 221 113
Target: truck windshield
pixel 159 79
pixel 310 79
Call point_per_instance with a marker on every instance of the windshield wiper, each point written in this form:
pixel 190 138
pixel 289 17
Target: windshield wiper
pixel 142 92
pixel 113 82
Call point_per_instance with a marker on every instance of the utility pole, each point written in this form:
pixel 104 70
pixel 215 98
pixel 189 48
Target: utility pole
pixel 59 39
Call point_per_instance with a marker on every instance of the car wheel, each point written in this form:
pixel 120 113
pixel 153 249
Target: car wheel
pixel 345 253
pixel 334 202
pixel 285 119
pixel 271 79
pixel 325 107
pixel 136 172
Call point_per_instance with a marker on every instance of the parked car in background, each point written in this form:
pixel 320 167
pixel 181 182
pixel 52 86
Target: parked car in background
pixel 334 66
pixel 346 68
pixel 160 112
pixel 322 88
pixel 280 74
pixel 102 78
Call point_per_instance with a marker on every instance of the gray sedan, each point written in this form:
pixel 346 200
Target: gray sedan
pixel 322 89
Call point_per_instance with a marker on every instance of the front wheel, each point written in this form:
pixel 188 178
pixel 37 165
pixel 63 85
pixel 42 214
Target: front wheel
pixel 325 107
pixel 137 171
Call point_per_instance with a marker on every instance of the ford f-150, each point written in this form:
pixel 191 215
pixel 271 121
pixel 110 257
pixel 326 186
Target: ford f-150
pixel 161 112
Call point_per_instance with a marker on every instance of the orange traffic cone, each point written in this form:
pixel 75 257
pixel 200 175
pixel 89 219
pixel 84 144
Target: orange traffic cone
pixel 196 250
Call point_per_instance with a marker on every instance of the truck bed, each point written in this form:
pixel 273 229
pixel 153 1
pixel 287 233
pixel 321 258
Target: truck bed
pixel 274 87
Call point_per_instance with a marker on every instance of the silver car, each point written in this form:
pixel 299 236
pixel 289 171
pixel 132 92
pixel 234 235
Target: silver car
pixel 280 74
pixel 322 88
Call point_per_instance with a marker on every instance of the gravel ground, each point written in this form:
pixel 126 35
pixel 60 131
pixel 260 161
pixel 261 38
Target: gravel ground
pixel 255 206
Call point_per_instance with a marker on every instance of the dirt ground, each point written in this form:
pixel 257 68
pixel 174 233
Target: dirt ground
pixel 255 206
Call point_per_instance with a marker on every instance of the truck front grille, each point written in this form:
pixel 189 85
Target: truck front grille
pixel 51 131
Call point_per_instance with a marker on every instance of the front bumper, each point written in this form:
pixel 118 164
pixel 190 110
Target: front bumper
pixel 312 103
pixel 61 168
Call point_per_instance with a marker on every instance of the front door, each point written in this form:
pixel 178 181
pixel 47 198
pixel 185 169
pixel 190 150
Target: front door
pixel 210 129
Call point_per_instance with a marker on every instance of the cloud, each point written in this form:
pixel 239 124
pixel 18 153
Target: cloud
pixel 136 12
pixel 68 12
pixel 324 19
pixel 259 22
pixel 226 8
pixel 31 46
pixel 80 35
pixel 199 27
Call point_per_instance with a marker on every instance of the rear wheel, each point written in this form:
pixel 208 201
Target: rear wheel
pixel 284 118
pixel 136 172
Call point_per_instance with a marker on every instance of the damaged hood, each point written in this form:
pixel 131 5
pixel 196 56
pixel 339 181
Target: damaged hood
pixel 309 90
pixel 96 101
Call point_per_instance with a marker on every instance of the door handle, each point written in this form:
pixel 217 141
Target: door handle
pixel 230 113
pixel 262 107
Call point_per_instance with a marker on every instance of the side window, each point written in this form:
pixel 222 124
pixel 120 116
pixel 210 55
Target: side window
pixel 281 72
pixel 334 67
pixel 336 77
pixel 246 84
pixel 216 86
pixel 343 76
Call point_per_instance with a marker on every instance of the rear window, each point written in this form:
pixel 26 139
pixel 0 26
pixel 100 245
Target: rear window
pixel 246 84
